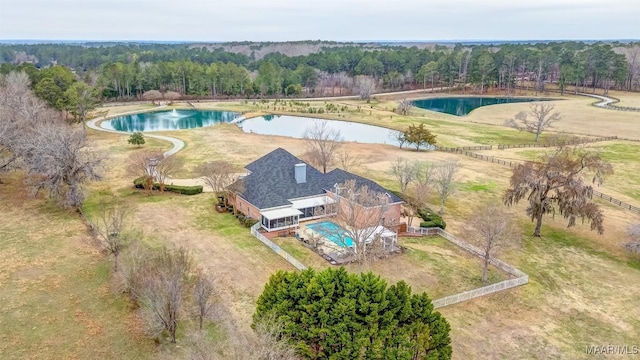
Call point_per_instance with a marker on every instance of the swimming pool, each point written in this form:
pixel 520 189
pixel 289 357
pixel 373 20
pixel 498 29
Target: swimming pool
pixel 332 232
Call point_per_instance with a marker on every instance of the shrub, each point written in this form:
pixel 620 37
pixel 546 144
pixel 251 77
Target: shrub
pixel 137 138
pixel 185 190
pixel 431 218
pixel 247 221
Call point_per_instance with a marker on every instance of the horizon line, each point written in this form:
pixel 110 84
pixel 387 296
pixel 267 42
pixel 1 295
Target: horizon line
pixel 35 40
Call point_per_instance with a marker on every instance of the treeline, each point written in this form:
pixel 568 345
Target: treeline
pixel 127 71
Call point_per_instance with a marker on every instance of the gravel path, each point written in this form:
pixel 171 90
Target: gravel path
pixel 607 103
pixel 177 143
pixel 177 146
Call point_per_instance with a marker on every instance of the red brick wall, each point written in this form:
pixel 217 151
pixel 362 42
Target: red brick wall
pixel 392 215
pixel 244 207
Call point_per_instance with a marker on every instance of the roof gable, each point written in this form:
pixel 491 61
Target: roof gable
pixel 272 180
pixel 339 176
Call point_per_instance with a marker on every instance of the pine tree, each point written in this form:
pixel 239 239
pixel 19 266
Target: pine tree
pixel 335 314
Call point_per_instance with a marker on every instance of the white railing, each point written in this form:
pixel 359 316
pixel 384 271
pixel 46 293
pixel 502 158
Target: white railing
pixel 521 277
pixel 277 249
pixel 485 290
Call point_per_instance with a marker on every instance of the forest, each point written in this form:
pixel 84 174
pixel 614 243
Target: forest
pixel 125 71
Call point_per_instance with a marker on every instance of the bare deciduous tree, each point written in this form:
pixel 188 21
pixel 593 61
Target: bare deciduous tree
pixel 398 136
pixel 404 106
pixel 557 180
pixel 492 230
pixel 417 195
pixel 634 236
pixel 171 96
pixel 159 287
pixel 348 161
pixel 142 164
pixel 20 112
pixel 360 214
pixel 322 142
pixel 110 224
pixel 165 167
pixel 404 172
pixel 270 344
pixel 57 159
pixel 542 119
pixel 152 95
pixel 203 292
pixel 265 342
pixel 8 155
pixel 133 258
pixel 444 175
pixel 425 174
pixel 366 86
pixel 218 174
pixel 200 346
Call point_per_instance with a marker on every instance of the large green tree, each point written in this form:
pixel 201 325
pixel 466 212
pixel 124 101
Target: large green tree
pixel 428 71
pixel 270 79
pixel 332 314
pixel 80 98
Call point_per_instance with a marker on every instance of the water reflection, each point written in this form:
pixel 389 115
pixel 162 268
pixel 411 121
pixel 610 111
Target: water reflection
pixel 168 120
pixel 462 106
pixel 284 125
pixel 295 126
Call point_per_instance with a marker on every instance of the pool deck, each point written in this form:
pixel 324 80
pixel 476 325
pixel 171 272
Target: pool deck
pixel 327 249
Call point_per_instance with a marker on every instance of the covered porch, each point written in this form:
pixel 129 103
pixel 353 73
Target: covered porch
pixel 280 219
pixel 314 207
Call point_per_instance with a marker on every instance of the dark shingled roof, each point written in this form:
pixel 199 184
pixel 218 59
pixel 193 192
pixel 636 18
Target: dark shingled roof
pixel 272 181
pixel 339 176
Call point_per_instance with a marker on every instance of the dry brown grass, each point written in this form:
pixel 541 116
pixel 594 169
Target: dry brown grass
pixel 578 117
pixel 581 289
pixel 54 287
pixel 626 98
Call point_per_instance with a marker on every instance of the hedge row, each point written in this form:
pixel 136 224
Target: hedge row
pixel 245 220
pixel 431 219
pixel 185 190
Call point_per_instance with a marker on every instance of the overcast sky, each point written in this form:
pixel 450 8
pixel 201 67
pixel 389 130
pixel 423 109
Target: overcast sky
pixel 340 20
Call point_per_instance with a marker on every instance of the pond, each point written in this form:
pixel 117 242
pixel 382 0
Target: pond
pixel 462 106
pixel 295 126
pixel 284 125
pixel 168 120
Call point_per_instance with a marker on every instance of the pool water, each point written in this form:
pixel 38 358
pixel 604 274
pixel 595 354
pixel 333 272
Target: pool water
pixel 332 232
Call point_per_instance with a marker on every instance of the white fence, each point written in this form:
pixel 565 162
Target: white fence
pixel 277 249
pixel 485 290
pixel 521 277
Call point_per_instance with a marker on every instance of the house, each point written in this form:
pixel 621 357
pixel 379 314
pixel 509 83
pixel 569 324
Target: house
pixel 281 190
